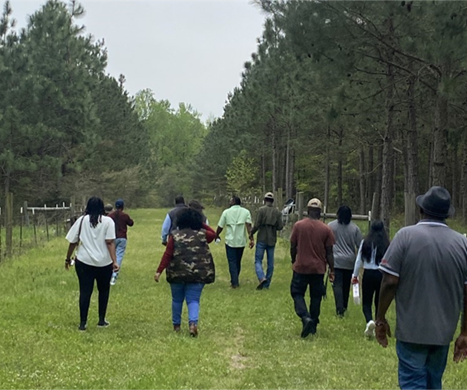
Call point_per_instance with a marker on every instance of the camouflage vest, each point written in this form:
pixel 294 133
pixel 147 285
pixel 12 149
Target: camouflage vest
pixel 192 260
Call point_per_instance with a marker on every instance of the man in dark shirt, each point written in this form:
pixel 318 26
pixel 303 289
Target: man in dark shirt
pixel 267 222
pixel 170 221
pixel 122 221
pixel 311 249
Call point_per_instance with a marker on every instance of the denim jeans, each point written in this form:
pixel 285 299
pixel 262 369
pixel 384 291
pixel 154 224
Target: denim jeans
pixel 298 287
pixel 191 292
pixel 261 247
pixel 234 257
pixel 421 366
pixel 120 247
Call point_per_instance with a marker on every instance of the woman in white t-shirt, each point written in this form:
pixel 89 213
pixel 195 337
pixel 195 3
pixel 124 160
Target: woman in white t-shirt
pixel 95 257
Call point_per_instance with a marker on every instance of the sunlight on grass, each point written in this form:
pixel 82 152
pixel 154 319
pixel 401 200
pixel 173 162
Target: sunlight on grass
pixel 248 339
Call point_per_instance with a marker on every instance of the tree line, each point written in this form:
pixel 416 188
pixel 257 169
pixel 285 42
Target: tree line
pixel 69 129
pixel 362 103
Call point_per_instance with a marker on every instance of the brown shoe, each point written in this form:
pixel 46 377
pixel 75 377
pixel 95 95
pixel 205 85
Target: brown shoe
pixel 193 330
pixel 177 328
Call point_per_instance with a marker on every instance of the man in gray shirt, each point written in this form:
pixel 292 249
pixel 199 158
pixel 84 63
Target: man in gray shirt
pixel 425 269
pixel 348 237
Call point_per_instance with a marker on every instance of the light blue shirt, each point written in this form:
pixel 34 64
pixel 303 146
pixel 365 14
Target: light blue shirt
pixel 166 228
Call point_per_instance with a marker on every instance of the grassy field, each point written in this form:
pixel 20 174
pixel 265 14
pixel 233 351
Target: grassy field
pixel 248 339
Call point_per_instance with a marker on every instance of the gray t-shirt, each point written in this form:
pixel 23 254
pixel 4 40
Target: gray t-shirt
pixel 430 260
pixel 348 238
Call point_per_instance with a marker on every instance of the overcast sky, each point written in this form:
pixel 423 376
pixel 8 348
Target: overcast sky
pixel 189 51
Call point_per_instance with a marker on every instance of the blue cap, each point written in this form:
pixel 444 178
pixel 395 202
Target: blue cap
pixel 119 204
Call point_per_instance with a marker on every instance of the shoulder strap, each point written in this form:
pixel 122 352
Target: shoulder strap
pixel 80 225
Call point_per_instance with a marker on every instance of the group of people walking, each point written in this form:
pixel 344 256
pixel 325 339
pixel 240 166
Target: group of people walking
pixel 424 269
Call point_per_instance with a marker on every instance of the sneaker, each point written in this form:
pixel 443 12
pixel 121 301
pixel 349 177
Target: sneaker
pixel 103 324
pixel 370 329
pixel 261 284
pixel 113 281
pixel 82 326
pixel 308 327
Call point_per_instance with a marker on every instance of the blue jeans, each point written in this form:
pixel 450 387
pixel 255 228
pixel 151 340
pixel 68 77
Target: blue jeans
pixel 120 247
pixel 261 247
pixel 421 366
pixel 234 257
pixel 191 292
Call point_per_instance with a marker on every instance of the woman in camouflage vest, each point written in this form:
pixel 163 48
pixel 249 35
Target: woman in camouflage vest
pixel 189 266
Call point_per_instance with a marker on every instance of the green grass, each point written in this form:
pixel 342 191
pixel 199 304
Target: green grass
pixel 248 339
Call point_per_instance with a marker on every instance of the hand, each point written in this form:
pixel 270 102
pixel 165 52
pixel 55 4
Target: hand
pixel 115 267
pixel 460 348
pixel 382 331
pixel 355 280
pixel 67 264
pixel 157 276
pixel 164 243
pixel 331 277
pixel 251 244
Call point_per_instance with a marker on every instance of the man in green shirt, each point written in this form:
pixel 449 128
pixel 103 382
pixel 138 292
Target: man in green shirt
pixel 268 221
pixel 235 219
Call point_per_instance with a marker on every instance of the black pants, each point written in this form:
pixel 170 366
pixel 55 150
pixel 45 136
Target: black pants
pixel 371 284
pixel 86 276
pixel 300 283
pixel 341 287
pixel 234 257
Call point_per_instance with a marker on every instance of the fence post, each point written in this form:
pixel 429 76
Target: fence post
pixel 34 225
pixel 1 249
pixel 301 205
pixel 26 214
pixel 9 224
pixel 46 225
pixel 21 231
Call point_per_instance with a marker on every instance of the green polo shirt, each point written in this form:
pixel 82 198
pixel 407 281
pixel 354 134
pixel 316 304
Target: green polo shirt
pixel 233 220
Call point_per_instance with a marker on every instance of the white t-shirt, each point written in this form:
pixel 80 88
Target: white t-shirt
pixel 93 249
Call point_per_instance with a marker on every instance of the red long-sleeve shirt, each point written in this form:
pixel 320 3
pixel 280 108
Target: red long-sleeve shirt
pixel 169 249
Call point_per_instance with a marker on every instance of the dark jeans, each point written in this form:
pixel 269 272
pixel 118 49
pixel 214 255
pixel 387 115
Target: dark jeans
pixel 421 366
pixel 371 284
pixel 341 287
pixel 298 287
pixel 234 257
pixel 86 276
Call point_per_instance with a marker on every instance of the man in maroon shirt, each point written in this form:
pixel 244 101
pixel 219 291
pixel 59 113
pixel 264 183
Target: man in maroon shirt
pixel 122 221
pixel 311 249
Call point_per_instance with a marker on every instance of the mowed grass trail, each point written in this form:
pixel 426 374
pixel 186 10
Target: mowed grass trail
pixel 248 339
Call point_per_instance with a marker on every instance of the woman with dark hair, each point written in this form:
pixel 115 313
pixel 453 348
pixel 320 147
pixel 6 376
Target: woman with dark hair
pixel 189 265
pixel 348 237
pixel 94 235
pixel 370 254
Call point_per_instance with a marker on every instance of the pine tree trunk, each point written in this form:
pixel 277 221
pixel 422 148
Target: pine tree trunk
pixel 362 180
pixel 274 151
pixel 388 152
pixel 370 182
pixel 327 169
pixel 339 169
pixel 464 179
pixel 440 141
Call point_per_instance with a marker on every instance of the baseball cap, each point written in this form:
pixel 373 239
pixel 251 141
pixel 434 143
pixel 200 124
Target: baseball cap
pixel 119 203
pixel 269 195
pixel 315 203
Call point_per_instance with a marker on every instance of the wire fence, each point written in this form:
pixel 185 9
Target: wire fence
pixel 23 228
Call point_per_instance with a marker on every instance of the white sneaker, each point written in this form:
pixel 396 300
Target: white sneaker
pixel 370 329
pixel 113 281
